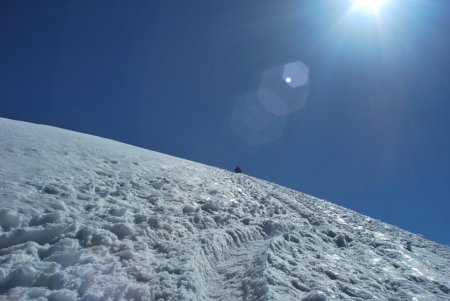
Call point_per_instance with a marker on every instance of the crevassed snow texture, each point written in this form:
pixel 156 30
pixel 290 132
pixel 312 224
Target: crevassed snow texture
pixel 85 218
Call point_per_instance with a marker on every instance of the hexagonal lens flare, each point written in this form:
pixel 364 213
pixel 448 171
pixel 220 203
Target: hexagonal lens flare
pixel 284 89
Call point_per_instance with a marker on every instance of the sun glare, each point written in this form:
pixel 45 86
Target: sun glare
pixel 370 5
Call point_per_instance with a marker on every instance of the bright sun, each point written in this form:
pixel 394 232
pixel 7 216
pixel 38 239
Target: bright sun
pixel 371 5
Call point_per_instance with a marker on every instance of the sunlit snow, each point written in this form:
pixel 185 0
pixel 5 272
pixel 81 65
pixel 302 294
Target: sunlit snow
pixel 86 218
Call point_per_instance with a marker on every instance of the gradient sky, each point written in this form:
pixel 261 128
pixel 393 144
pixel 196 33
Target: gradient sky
pixel 175 77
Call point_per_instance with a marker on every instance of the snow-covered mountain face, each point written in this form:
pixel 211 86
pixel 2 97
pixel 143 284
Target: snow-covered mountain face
pixel 85 218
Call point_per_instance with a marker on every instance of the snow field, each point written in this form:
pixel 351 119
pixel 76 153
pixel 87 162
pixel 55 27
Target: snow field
pixel 85 218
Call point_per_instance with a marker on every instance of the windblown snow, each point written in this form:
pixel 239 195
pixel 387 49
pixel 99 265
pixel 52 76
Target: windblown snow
pixel 86 218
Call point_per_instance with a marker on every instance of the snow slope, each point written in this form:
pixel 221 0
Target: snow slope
pixel 86 218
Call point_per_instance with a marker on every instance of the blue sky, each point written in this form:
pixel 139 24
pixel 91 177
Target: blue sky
pixel 185 77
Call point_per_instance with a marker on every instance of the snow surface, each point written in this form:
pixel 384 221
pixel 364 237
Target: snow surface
pixel 86 218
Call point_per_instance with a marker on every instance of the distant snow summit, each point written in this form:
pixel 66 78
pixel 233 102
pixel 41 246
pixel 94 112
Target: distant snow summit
pixel 86 218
